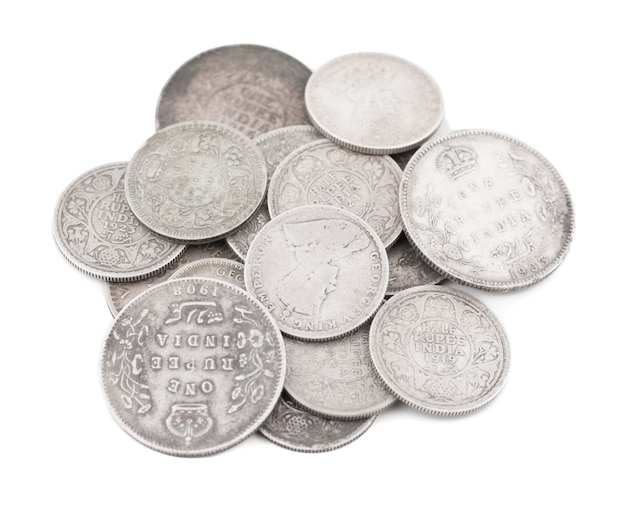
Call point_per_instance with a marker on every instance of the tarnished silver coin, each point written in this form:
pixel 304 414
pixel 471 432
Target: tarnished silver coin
pixel 221 269
pixel 374 103
pixel 121 293
pixel 196 182
pixel 407 269
pixel 252 88
pixel 294 429
pixel 322 172
pixel 439 350
pixel 192 366
pixel 486 210
pixel 321 271
pixel 98 233
pixel 337 378
pixel 274 146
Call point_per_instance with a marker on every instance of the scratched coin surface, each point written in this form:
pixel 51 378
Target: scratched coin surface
pixel 192 366
pixel 97 232
pixel 274 146
pixel 374 103
pixel 196 182
pixel 121 293
pixel 294 429
pixel 486 210
pixel 322 172
pixel 221 269
pixel 336 378
pixel 252 88
pixel 439 350
pixel 321 271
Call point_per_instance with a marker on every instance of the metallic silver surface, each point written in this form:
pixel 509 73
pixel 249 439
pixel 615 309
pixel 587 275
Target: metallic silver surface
pixel 252 88
pixel 192 366
pixel 196 181
pixel 97 232
pixel 320 271
pixel 374 103
pixel 439 350
pixel 294 429
pixel 322 172
pixel 486 210
pixel 221 269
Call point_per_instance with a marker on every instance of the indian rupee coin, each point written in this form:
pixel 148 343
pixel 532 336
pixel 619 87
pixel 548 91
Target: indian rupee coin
pixel 192 366
pixel 221 269
pixel 486 210
pixel 374 103
pixel 439 350
pixel 321 271
pixel 97 232
pixel 252 88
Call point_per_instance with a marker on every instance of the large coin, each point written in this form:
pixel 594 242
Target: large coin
pixel 439 350
pixel 254 89
pixel 320 270
pixel 98 233
pixel 196 181
pixel 298 430
pixel 374 103
pixel 322 172
pixel 486 210
pixel 228 271
pixel 192 366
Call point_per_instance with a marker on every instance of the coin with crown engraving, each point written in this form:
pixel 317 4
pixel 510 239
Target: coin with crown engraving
pixel 297 430
pixel 228 271
pixel 192 366
pixel 252 88
pixel 439 350
pixel 486 210
pixel 97 232
pixel 374 103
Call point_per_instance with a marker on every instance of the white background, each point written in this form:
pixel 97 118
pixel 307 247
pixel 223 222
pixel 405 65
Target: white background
pixel 79 87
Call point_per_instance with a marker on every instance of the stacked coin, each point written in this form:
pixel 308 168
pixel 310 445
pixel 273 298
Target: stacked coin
pixel 248 253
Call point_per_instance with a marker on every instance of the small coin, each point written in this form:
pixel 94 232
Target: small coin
pixel 252 88
pixel 196 181
pixel 486 210
pixel 439 350
pixel 121 293
pixel 337 378
pixel 192 366
pixel 374 103
pixel 320 271
pixel 298 430
pixel 221 269
pixel 98 233
pixel 322 172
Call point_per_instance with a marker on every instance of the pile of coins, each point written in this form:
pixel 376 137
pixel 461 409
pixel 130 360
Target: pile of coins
pixel 272 264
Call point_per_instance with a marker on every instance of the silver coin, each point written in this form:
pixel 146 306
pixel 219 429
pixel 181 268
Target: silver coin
pixel 337 378
pixel 221 269
pixel 192 366
pixel 322 172
pixel 121 293
pixel 294 429
pixel 274 146
pixel 486 210
pixel 320 271
pixel 252 88
pixel 439 350
pixel 407 269
pixel 97 232
pixel 374 103
pixel 196 181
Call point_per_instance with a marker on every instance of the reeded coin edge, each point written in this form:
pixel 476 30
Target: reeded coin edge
pixel 226 262
pixel 475 282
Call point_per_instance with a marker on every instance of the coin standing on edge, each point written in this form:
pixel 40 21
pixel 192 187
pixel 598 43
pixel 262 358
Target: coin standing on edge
pixel 221 269
pixel 97 232
pixel 486 210
pixel 192 366
pixel 439 350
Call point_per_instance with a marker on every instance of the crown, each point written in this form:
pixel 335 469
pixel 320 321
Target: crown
pixel 457 161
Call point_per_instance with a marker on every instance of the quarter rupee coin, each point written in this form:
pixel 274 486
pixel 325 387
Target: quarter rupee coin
pixel 221 269
pixel 486 210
